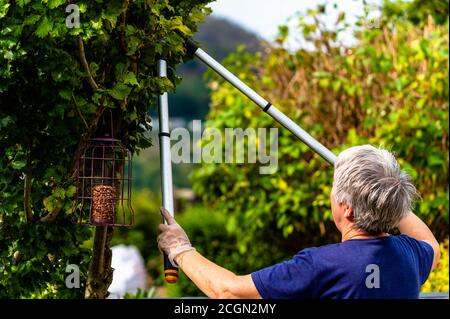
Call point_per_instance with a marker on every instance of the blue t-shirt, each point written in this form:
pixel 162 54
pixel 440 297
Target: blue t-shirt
pixel 386 267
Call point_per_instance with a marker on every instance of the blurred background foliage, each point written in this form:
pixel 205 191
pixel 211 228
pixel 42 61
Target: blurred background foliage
pixel 192 95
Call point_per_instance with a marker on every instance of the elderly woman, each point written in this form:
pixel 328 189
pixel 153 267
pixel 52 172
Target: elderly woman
pixel 371 195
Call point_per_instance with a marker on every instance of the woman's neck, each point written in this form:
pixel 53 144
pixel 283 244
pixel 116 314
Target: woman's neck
pixel 352 233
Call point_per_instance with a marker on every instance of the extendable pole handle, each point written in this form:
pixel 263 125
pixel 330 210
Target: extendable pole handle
pixel 266 106
pixel 170 272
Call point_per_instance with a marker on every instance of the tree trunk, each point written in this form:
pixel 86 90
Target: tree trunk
pixel 100 272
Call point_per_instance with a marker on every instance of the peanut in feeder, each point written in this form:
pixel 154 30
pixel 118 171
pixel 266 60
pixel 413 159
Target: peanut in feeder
pixel 103 202
pixel 104 171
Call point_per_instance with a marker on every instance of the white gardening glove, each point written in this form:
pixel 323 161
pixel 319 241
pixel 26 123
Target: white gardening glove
pixel 172 238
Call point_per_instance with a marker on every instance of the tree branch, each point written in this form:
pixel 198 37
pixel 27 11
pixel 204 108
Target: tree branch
pixel 85 65
pixel 122 40
pixel 50 217
pixel 79 112
pixel 27 191
pixel 100 272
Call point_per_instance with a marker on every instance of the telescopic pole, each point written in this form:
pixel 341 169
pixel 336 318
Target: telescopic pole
pixel 266 106
pixel 170 272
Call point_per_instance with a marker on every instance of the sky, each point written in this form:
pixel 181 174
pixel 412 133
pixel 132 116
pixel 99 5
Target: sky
pixel 264 16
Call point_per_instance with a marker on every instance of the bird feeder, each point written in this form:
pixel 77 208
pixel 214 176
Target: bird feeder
pixel 104 171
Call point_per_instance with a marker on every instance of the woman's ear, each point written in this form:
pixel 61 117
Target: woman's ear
pixel 348 212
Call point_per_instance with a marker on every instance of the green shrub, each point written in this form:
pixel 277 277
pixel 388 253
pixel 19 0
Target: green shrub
pixel 438 279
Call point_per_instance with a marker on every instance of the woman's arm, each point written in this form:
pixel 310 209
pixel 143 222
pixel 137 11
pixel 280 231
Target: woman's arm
pixel 215 281
pixel 412 226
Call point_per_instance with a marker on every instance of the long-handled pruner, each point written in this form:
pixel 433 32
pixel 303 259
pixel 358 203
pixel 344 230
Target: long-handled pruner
pixel 170 272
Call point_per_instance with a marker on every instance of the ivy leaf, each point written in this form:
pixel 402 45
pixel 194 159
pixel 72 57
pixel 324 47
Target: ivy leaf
pixel 65 94
pixel 49 203
pixel 22 3
pixel 59 193
pixel 120 70
pixel 197 15
pixel 58 111
pixel 44 27
pixel 130 78
pixel 52 4
pixel 32 19
pixel 183 29
pixel 120 91
pixel 177 24
pixel 4 10
pixel 18 164
pixel 5 121
pixel 133 44
pixel 71 191
pixel 111 14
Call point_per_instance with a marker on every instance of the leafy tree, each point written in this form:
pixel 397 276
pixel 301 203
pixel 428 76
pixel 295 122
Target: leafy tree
pixel 55 83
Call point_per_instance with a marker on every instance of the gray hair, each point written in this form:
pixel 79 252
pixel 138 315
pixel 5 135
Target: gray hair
pixel 371 182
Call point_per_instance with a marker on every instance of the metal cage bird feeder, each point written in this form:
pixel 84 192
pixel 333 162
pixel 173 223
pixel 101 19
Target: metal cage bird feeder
pixel 104 173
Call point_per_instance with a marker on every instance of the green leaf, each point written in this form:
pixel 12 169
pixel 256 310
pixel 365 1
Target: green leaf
pixel 5 121
pixel 31 19
pixel 120 91
pixel 71 191
pixel 3 9
pixel 111 13
pixel 177 24
pixel 52 4
pixel 44 28
pixel 22 3
pixel 59 193
pixel 133 44
pixel 49 203
pixel 183 29
pixel 130 30
pixel 130 78
pixel 58 111
pixel 120 69
pixel 197 15
pixel 434 160
pixel 18 164
pixel 65 94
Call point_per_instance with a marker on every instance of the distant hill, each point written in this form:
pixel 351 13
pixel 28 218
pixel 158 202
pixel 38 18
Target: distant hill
pixel 219 37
